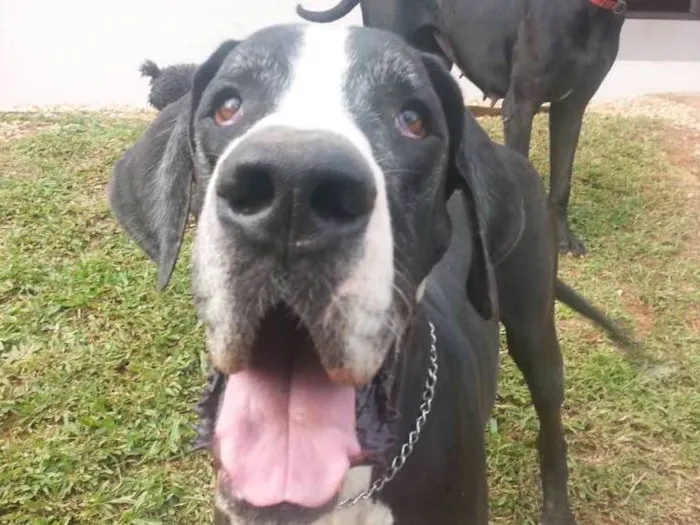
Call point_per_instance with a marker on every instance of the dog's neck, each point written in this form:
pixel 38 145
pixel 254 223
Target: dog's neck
pixel 411 362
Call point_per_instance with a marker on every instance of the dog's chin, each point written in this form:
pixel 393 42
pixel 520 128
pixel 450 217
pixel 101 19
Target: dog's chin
pixel 240 511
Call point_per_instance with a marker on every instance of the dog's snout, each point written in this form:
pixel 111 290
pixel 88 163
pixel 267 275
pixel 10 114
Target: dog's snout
pixel 296 190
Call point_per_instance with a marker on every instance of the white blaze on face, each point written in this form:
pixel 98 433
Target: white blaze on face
pixel 316 101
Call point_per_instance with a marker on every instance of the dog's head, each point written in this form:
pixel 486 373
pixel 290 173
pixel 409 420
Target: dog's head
pixel 325 158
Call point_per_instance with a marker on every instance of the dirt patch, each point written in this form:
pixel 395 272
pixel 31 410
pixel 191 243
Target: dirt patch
pixel 682 147
pixel 689 99
pixel 19 129
pixel 113 111
pixel 675 109
pixel 641 312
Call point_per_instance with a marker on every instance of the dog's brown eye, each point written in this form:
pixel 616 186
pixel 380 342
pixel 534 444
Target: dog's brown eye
pixel 411 124
pixel 227 111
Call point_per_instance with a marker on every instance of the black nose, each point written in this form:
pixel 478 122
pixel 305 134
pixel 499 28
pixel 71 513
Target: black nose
pixel 296 191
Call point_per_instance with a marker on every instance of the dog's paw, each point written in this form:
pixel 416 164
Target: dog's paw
pixel 568 242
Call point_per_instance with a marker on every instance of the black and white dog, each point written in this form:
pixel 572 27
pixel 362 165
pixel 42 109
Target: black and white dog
pixel 358 239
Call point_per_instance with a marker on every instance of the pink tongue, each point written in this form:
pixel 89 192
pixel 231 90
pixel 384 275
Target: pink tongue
pixel 286 437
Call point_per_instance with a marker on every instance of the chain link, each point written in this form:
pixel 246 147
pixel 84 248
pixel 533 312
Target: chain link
pixel 407 448
pixel 620 7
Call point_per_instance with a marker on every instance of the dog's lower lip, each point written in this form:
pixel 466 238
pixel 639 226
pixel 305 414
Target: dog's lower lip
pixel 227 483
pixel 230 366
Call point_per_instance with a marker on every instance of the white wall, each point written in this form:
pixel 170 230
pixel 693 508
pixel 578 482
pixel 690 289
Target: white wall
pixel 655 56
pixel 86 52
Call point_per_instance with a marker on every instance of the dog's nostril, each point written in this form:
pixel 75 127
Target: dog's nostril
pixel 341 200
pixel 251 191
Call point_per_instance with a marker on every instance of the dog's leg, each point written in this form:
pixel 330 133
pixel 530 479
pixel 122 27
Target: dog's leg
pixel 517 122
pixel 526 293
pixel 524 95
pixel 565 118
pixel 535 350
pixel 537 354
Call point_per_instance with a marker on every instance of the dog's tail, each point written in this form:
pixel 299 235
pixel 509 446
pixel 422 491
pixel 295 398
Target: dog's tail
pixel 578 303
pixel 150 69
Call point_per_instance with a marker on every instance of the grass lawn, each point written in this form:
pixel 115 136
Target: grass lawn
pixel 99 373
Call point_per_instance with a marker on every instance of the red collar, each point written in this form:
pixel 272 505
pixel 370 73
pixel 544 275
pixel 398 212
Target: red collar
pixel 610 5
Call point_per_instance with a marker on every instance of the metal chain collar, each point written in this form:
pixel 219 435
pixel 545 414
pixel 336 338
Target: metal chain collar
pixel 620 7
pixel 407 448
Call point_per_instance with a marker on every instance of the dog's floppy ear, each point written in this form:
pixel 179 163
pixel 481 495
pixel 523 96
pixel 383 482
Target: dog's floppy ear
pixel 151 185
pixel 149 191
pixel 465 175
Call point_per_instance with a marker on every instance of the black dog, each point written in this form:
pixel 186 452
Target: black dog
pixel 358 239
pixel 526 51
pixel 167 84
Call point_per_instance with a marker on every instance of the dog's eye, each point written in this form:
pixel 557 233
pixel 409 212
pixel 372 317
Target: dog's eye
pixel 412 124
pixel 227 111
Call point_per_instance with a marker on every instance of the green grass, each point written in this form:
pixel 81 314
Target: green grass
pixel 99 373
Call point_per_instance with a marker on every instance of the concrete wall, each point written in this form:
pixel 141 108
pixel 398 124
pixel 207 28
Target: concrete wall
pixel 86 52
pixel 655 56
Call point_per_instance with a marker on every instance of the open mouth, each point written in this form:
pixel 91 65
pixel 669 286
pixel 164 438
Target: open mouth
pixel 286 433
